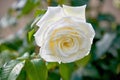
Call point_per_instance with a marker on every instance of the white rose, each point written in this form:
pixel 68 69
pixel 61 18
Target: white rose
pixel 64 35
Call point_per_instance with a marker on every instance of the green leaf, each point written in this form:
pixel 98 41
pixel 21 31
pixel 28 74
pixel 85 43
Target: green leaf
pixel 22 75
pixel 51 65
pixel 54 75
pixel 11 70
pixel 16 71
pixel 66 70
pixel 6 56
pixel 30 35
pixel 36 69
pixel 29 6
pixel 84 61
pixel 60 2
pixel 6 69
pixel 24 56
pixel 40 12
pixel 79 2
pixel 52 2
pixel 35 21
pixel 11 44
pixel 38 15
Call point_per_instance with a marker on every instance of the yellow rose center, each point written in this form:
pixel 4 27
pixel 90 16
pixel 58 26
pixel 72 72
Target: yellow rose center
pixel 65 40
pixel 67 43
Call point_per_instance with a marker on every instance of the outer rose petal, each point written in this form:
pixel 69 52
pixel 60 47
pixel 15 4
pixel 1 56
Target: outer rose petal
pixel 78 12
pixel 52 14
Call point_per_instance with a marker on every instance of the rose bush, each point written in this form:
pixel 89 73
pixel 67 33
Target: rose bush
pixel 64 35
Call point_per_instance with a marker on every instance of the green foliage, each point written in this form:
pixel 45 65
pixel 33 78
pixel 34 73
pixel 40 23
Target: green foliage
pixel 10 45
pixel 16 70
pixel 84 61
pixel 11 70
pixel 40 12
pixel 52 65
pixel 36 69
pixel 79 2
pixel 38 15
pixel 7 55
pixel 30 35
pixel 53 75
pixel 29 6
pixel 66 70
pixel 22 75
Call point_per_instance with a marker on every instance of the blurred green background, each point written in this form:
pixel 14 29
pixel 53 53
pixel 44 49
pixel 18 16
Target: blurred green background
pixel 17 42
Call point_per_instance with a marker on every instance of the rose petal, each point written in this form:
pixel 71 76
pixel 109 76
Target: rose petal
pixel 87 29
pixel 46 53
pixel 78 12
pixel 52 14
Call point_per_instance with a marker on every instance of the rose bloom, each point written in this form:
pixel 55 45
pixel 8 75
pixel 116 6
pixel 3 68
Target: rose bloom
pixel 64 35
